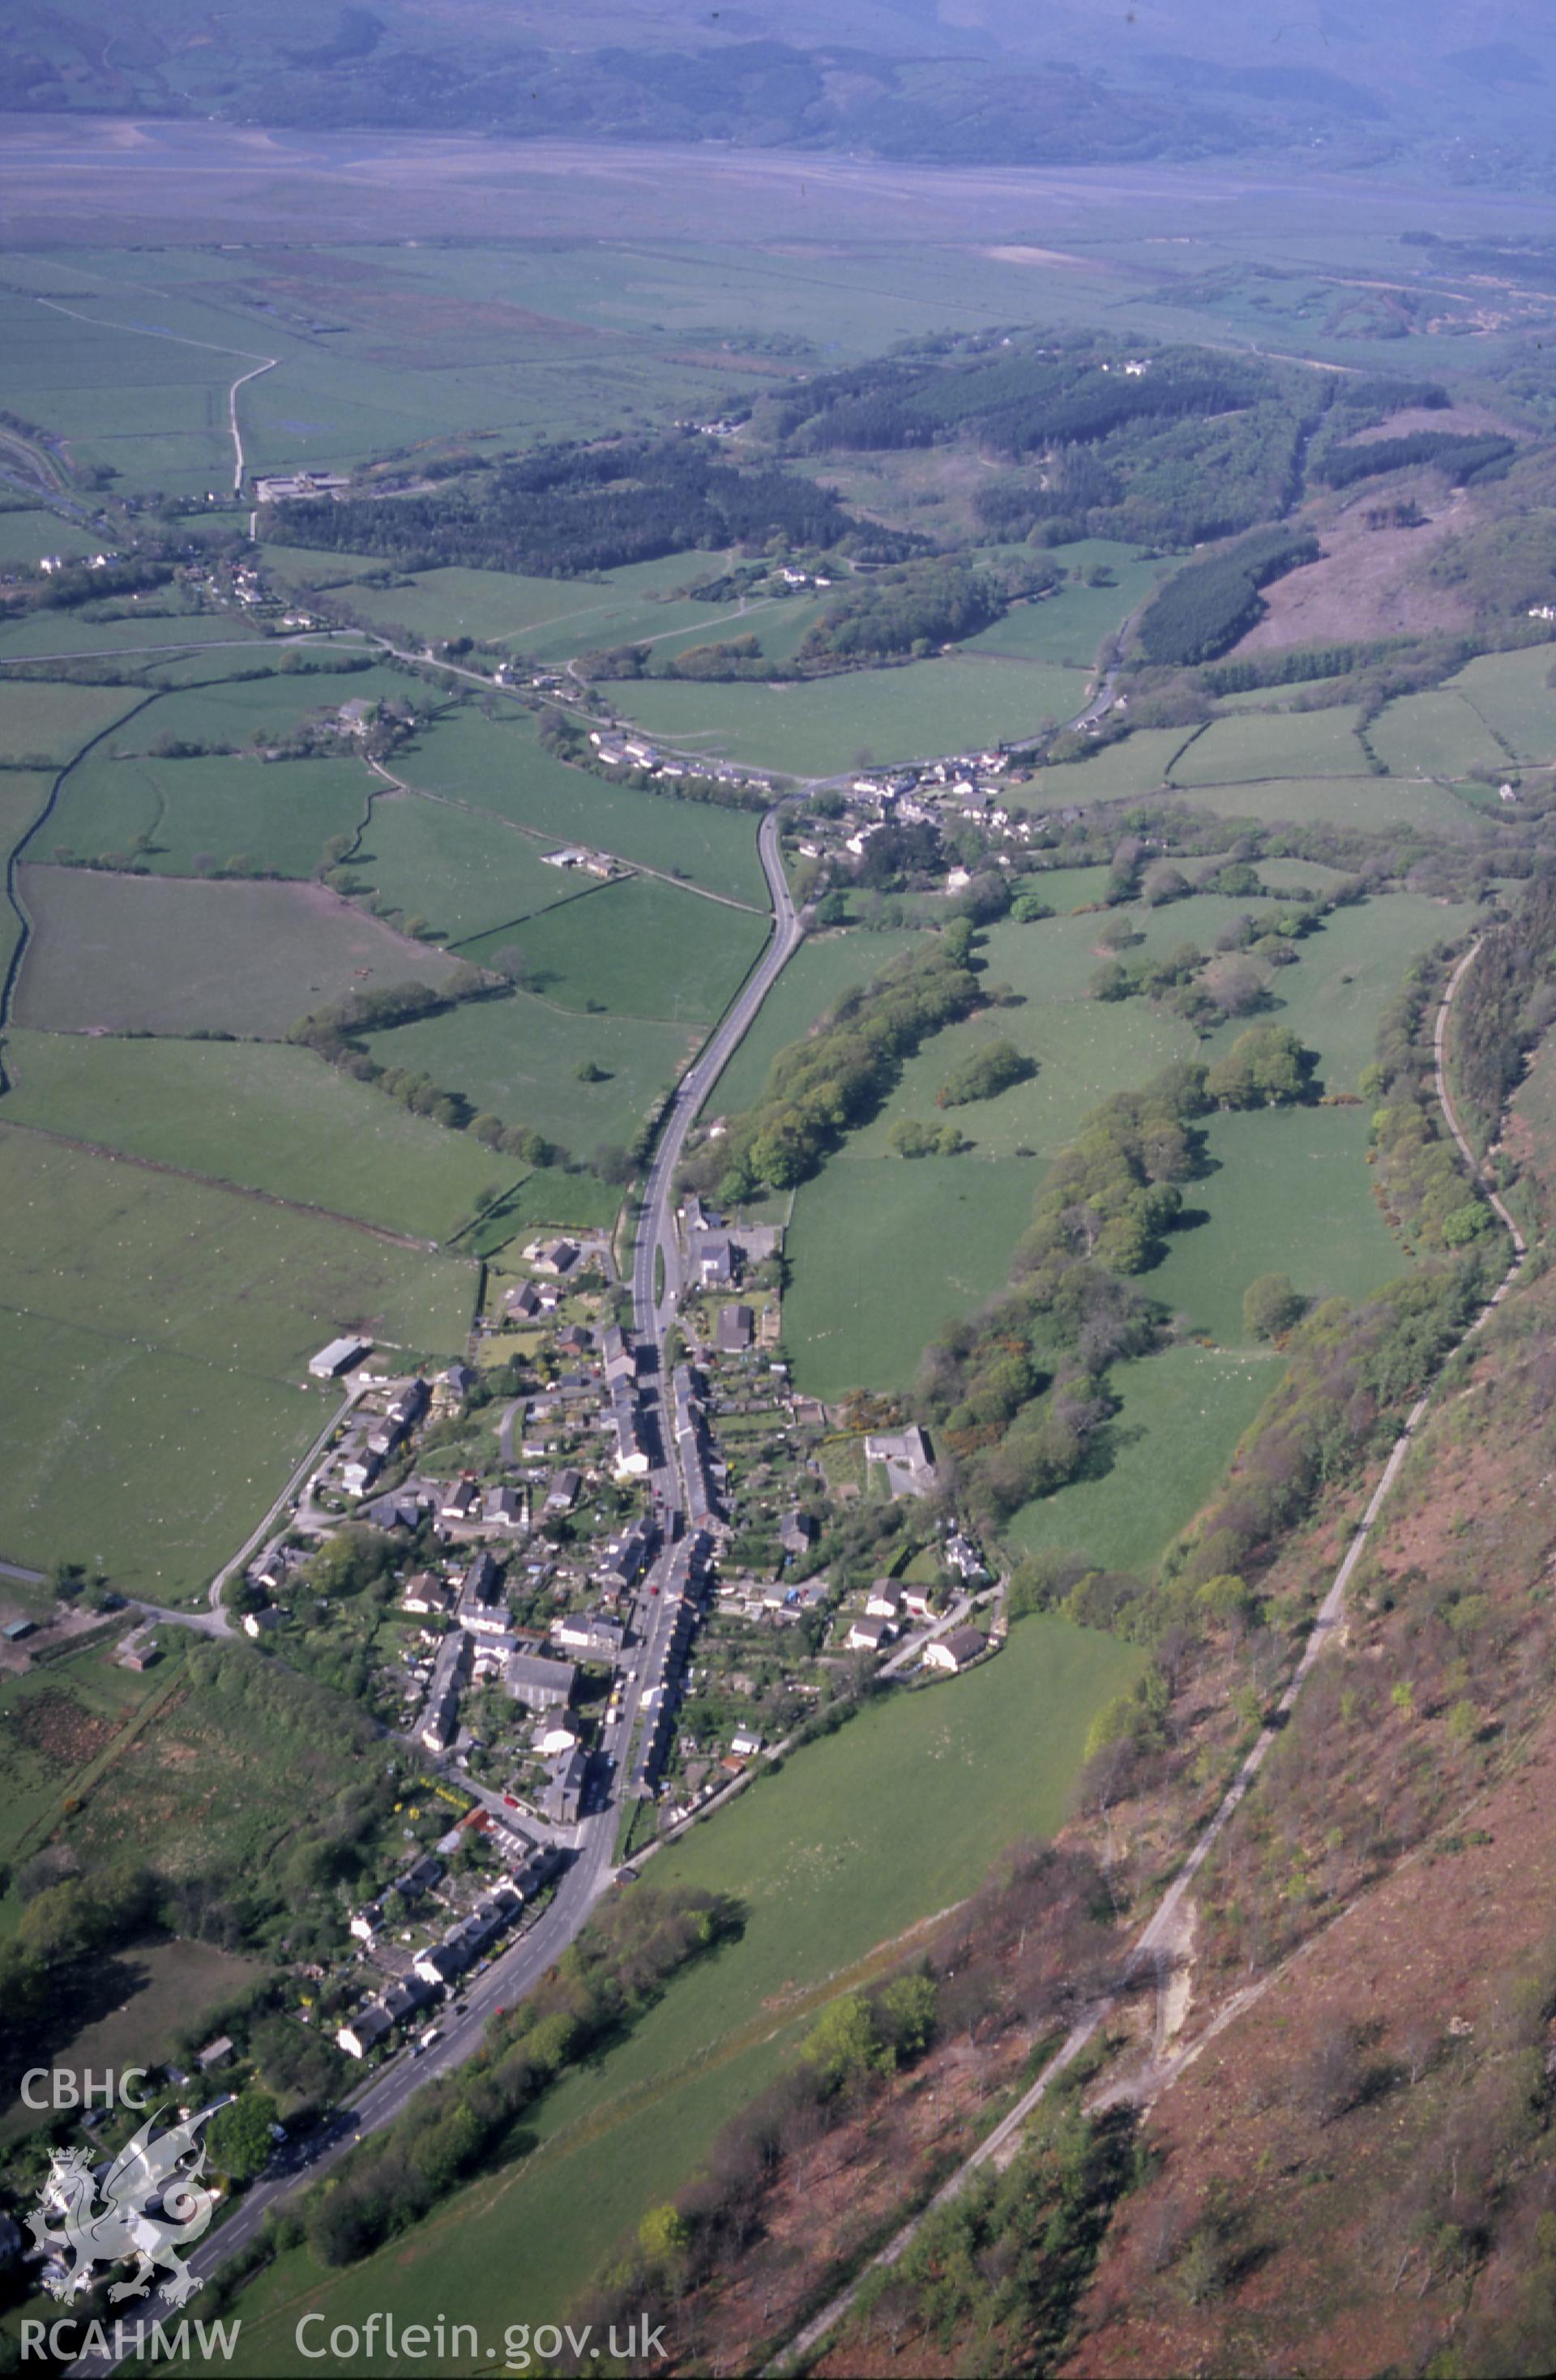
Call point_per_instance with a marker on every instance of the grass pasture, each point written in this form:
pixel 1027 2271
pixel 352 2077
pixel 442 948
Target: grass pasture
pixel 1511 693
pixel 251 958
pixel 47 720
pixel 884 1251
pixel 24 795
pixel 500 765
pixel 1376 805
pixel 240 711
pixel 520 1058
pixel 1436 734
pixel 1140 764
pixel 1182 1412
pixel 815 1855
pixel 160 1333
pixel 639 947
pixel 1253 745
pixel 169 1986
pixel 27 533
pixel 205 812
pixel 462 870
pixel 816 730
pixel 259 1116
pixel 821 970
pixel 1290 1193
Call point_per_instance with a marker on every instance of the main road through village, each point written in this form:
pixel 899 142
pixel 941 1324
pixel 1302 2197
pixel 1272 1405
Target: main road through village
pixel 592 1866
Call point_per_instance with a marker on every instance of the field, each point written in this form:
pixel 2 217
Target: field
pixel 820 730
pixel 821 970
pixel 44 724
pixel 1140 764
pixel 520 1058
pixel 884 1251
pixel 1182 1413
pixel 59 1722
pixel 1347 972
pixel 243 710
pixel 869 1220
pixel 1438 734
pixel 198 814
pixel 1375 805
pixel 160 1332
pixel 24 795
pixel 1290 1193
pixel 499 765
pixel 463 871
pixel 1069 627
pixel 1255 746
pixel 637 948
pixel 258 1115
pixel 169 1986
pixel 27 534
pixel 815 1854
pixel 1511 693
pixel 252 958
pixel 548 619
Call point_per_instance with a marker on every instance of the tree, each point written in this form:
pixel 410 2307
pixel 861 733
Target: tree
pixel 240 2135
pixel 586 1071
pixel 845 2047
pixel 1271 1306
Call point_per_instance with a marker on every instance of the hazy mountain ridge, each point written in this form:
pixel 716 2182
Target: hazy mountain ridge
pixel 1462 82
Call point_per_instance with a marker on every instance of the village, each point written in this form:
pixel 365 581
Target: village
pixel 481 1557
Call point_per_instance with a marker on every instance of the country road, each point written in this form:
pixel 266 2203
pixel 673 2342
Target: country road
pixel 1160 1942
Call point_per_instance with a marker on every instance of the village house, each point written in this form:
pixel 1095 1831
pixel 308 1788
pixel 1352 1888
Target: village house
pixel 955 1651
pixel 366 2029
pixel 482 1607
pixel 884 1600
pixel 869 1636
pixel 460 1498
pixel 734 1330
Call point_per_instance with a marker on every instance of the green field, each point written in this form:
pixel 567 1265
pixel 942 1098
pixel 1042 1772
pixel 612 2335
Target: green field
pixel 24 795
pixel 48 722
pixel 239 711
pixel 1182 1413
pixel 820 729
pixel 548 619
pixel 35 1777
pixel 1511 693
pixel 519 1057
pixel 1069 627
pixel 1123 772
pixel 157 1336
pixel 821 970
pixel 202 813
pixel 157 626
pixel 1290 1193
pixel 816 1855
pixel 1375 805
pixel 1348 971
pixel 27 534
pixel 886 1251
pixel 258 1115
pixel 251 958
pixel 639 947
pixel 1245 749
pixel 462 870
pixel 499 765
pixel 1437 734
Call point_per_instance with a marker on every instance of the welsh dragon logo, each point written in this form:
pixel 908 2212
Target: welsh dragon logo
pixel 146 2173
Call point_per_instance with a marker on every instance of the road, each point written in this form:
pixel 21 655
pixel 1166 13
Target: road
pixel 1159 1943
pixel 656 1225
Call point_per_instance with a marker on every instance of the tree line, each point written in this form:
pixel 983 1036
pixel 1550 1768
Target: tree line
pixel 572 510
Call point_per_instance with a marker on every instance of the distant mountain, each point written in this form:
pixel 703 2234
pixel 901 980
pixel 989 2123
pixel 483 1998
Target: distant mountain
pixel 1463 84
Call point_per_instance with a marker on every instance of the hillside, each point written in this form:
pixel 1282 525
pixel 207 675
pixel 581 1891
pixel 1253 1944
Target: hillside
pixel 1463 84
